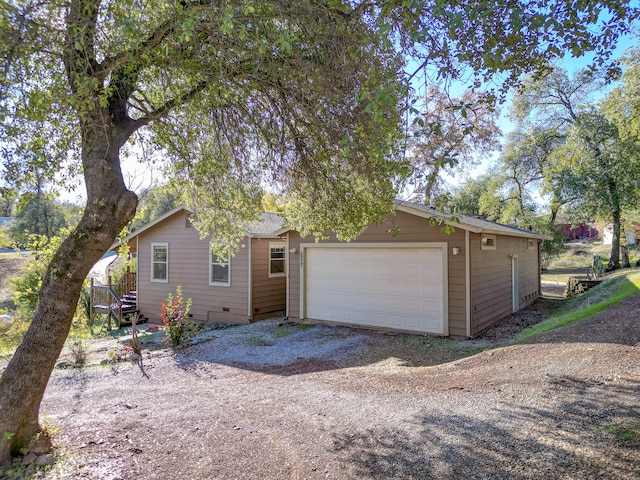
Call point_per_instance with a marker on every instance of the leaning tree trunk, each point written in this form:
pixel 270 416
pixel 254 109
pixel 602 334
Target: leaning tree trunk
pixel 110 206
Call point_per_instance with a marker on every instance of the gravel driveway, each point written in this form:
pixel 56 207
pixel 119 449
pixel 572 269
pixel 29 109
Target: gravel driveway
pixel 284 402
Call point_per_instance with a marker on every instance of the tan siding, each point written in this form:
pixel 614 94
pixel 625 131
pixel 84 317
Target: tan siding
pixel 411 229
pixel 269 294
pixel 189 267
pixel 491 289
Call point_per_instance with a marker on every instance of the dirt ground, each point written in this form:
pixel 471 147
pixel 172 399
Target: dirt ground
pixel 278 401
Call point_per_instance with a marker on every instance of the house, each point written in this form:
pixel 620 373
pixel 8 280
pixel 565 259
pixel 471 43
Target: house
pixel 578 232
pixel 247 287
pixel 421 280
pixel 416 279
pixel 629 236
pixel 5 221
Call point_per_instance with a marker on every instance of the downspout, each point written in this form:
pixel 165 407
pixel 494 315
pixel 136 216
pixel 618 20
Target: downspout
pixel 137 269
pixel 467 274
pixel 250 281
pixel 286 268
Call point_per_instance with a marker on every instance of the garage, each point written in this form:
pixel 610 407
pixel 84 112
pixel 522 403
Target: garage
pixel 397 286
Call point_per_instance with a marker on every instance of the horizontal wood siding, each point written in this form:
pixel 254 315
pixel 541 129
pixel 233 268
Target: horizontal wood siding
pixel 269 294
pixel 189 267
pixel 491 289
pixel 410 229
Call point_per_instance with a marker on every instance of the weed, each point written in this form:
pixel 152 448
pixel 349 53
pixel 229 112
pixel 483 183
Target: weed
pixel 79 352
pixel 625 436
pixel 259 342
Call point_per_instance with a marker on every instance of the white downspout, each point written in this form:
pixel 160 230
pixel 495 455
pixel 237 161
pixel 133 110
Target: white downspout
pixel 286 300
pixel 250 281
pixel 467 273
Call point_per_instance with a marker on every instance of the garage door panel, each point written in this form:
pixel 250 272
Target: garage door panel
pixel 400 288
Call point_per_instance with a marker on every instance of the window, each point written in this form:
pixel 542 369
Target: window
pixel 160 262
pixel 530 244
pixel 219 270
pixel 488 242
pixel 276 260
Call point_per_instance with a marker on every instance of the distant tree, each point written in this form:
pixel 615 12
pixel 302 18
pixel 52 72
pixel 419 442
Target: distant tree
pixel 466 197
pixel 274 203
pixel 5 239
pixel 154 202
pixel 450 136
pixel 37 214
pixel 599 172
pixel 8 198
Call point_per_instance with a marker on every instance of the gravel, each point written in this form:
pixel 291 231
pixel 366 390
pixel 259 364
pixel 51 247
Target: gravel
pixel 279 401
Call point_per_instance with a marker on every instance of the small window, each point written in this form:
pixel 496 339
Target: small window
pixel 488 242
pixel 160 262
pixel 530 244
pixel 277 260
pixel 219 270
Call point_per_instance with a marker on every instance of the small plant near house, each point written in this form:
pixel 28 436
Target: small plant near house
pixel 173 314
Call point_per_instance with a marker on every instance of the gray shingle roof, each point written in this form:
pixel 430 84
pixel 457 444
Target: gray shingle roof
pixel 469 222
pixel 269 224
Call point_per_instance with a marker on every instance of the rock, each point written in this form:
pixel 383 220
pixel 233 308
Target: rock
pixel 46 459
pixel 64 364
pixel 133 357
pixel 29 458
pixel 105 361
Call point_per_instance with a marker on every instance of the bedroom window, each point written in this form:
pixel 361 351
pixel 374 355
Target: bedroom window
pixel 488 242
pixel 219 270
pixel 160 262
pixel 277 260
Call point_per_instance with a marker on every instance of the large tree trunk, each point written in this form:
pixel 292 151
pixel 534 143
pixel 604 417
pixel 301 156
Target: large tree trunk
pixel 110 206
pixel 614 260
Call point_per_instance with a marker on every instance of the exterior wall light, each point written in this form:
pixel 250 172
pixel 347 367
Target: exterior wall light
pixel 455 250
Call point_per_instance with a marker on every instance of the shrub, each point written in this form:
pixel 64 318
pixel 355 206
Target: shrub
pixel 173 314
pixel 79 352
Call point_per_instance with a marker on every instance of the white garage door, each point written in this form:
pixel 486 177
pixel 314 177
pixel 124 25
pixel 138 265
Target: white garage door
pixel 400 288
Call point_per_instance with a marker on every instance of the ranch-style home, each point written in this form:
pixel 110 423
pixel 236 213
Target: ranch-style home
pixel 250 286
pixel 416 279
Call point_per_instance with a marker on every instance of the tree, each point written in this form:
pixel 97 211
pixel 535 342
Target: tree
pixel 599 172
pixel 303 93
pixel 8 197
pixel 450 136
pixel 154 202
pixel 579 153
pixel 39 215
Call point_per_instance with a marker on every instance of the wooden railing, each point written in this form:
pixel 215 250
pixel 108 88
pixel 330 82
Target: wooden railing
pixel 126 284
pixel 109 298
pixel 105 299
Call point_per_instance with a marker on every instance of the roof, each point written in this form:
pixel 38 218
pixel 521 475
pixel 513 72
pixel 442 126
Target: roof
pixel 270 223
pixel 4 221
pixel 266 227
pixel 465 222
pixel 471 223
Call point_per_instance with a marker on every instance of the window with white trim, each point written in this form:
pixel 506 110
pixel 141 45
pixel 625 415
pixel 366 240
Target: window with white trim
pixel 277 259
pixel 160 262
pixel 219 270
